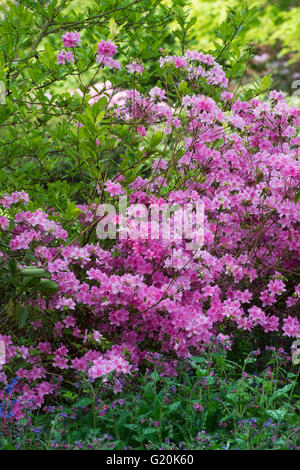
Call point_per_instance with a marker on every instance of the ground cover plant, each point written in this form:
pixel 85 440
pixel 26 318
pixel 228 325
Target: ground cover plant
pixel 118 328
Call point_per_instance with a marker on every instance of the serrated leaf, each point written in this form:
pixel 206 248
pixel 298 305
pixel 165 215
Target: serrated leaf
pixel 33 271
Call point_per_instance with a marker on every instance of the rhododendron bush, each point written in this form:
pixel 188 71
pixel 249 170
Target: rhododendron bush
pixel 76 305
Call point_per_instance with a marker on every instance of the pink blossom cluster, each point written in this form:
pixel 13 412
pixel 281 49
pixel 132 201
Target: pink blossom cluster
pixel 105 52
pixel 108 62
pixel 17 196
pixel 71 39
pixel 109 363
pixel 106 48
pixel 146 109
pixel 63 57
pixel 135 67
pixel 35 226
pixel 197 65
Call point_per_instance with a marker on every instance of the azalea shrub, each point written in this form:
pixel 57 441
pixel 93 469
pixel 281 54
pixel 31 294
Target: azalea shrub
pixel 87 296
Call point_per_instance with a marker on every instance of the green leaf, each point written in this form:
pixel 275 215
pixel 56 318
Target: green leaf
pixel 85 401
pixel 33 271
pixel 297 197
pixel 282 392
pixel 47 286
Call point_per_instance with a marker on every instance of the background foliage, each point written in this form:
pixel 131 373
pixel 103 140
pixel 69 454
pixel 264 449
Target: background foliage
pixel 275 21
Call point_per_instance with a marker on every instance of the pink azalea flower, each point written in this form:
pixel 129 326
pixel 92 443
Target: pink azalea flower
pixel 71 39
pixel 141 130
pixel 61 58
pixel 114 189
pixel 135 67
pixel 106 48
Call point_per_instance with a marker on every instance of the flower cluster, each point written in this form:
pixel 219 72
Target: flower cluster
pixel 105 52
pixel 135 67
pixel 69 39
pixel 63 57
